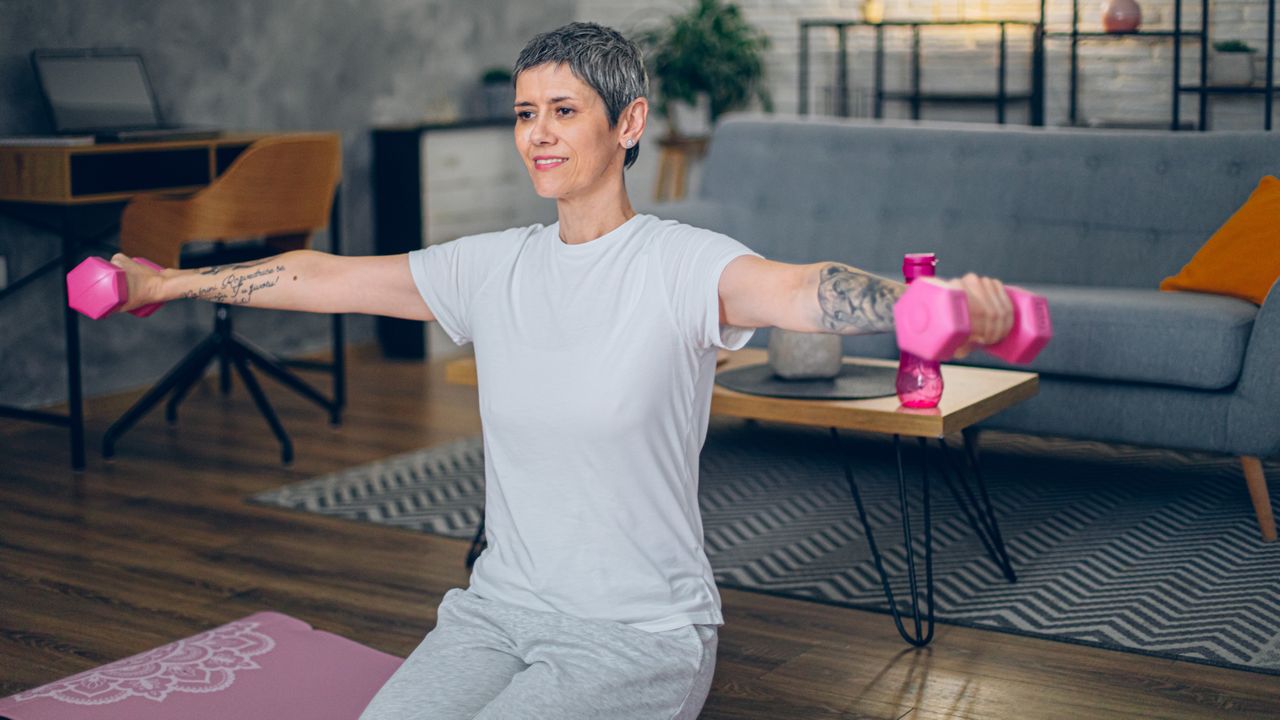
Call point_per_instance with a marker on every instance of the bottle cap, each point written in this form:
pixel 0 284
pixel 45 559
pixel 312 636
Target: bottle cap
pixel 917 264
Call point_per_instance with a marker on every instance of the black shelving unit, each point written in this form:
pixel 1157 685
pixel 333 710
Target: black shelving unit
pixel 1177 34
pixel 1040 34
pixel 916 95
pixel 1203 89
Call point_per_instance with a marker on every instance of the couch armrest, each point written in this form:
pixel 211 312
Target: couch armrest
pixel 1253 418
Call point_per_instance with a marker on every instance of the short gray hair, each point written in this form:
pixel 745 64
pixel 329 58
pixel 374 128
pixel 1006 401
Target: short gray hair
pixel 598 56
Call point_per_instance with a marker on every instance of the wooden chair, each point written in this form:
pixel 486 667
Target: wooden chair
pixel 272 198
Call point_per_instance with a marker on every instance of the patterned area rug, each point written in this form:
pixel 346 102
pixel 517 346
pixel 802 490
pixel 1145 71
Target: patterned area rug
pixel 1147 551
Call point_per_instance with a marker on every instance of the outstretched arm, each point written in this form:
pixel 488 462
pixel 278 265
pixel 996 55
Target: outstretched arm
pixel 303 280
pixel 825 297
pixel 830 297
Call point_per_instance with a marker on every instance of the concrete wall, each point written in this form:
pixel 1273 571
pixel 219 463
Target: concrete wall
pixel 239 64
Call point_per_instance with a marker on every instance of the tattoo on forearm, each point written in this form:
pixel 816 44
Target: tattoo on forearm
pixel 206 293
pixel 238 288
pixel 854 302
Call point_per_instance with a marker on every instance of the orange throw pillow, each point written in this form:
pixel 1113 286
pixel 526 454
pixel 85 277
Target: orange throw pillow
pixel 1242 259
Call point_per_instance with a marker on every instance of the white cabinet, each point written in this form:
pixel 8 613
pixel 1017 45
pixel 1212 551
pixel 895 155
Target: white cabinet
pixel 474 181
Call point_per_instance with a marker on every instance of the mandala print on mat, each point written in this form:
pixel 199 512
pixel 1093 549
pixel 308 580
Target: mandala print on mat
pixel 204 663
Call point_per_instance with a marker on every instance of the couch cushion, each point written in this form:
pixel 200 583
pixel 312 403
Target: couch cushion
pixel 1185 339
pixel 1242 259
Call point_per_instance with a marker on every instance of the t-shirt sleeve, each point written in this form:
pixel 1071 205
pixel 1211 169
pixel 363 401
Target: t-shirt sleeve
pixel 449 275
pixel 695 259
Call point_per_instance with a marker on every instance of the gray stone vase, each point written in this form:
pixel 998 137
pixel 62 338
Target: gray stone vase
pixel 805 356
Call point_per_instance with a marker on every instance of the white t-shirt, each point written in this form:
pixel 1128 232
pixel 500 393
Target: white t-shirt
pixel 596 364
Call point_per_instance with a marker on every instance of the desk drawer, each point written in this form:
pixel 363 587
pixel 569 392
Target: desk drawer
pixel 102 173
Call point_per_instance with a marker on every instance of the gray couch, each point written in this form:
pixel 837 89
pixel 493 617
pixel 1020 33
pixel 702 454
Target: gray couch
pixel 1091 219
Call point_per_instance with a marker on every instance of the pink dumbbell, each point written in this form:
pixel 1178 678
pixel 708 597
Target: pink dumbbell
pixel 932 322
pixel 97 288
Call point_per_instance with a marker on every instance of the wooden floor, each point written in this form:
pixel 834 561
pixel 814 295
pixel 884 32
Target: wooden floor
pixel 160 544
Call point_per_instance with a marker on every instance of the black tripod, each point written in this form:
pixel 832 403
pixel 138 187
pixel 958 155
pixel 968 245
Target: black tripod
pixel 229 349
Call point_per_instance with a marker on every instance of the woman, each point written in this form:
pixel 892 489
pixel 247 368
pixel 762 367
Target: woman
pixel 595 342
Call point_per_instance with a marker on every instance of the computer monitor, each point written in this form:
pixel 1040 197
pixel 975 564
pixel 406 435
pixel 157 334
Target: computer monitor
pixel 90 91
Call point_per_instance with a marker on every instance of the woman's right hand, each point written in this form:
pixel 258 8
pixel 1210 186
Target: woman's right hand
pixel 145 284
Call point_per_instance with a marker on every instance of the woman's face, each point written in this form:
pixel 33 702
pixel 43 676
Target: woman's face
pixel 563 134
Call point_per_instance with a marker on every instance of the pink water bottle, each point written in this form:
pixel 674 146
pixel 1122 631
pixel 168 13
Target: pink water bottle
pixel 919 380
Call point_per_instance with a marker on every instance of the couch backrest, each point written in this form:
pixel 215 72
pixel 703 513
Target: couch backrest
pixel 1093 207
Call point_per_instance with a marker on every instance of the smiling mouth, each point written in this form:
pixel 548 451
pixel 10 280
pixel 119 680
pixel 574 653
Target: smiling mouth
pixel 549 163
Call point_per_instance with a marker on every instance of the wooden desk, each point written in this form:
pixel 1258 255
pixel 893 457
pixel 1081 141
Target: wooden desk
pixel 78 192
pixel 971 395
pixel 114 172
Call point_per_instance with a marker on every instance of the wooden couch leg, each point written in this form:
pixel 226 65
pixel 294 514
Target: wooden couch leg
pixel 1261 499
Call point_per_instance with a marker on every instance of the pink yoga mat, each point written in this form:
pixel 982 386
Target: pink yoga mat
pixel 266 665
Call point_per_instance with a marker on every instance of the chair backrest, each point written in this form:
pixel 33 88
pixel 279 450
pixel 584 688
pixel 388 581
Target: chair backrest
pixel 279 188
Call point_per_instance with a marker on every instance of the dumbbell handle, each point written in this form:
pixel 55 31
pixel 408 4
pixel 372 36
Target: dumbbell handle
pixel 146 310
pixel 932 322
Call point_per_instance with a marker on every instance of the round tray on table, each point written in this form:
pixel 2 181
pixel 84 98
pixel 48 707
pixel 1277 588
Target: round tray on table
pixel 853 383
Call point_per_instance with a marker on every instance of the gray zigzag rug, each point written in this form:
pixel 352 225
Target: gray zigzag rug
pixel 1147 551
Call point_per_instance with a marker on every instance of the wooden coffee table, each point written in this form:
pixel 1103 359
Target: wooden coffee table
pixel 970 395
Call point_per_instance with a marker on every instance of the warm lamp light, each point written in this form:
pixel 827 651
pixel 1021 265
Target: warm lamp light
pixel 873 11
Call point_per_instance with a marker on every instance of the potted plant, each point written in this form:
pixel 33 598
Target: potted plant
pixel 709 56
pixel 498 95
pixel 1231 63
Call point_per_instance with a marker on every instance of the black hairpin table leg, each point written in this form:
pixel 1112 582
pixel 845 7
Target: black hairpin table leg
pixel 478 543
pixel 977 509
pixel 922 628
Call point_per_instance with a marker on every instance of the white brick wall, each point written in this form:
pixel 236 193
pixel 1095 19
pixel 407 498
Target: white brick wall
pixel 1120 79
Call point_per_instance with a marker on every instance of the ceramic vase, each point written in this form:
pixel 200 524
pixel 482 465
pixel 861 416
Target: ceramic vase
pixel 1121 16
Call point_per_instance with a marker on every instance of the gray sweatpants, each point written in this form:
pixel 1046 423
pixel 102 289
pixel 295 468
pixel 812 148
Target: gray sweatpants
pixel 490 661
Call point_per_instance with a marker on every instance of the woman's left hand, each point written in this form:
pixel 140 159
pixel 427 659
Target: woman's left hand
pixel 990 310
